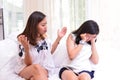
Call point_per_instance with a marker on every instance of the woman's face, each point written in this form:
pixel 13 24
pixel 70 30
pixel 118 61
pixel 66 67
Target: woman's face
pixel 90 36
pixel 42 27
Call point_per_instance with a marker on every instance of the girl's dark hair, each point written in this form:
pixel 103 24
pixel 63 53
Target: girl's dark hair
pixel 30 30
pixel 89 26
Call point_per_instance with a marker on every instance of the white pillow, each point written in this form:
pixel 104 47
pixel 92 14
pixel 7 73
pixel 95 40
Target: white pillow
pixel 60 55
pixel 8 49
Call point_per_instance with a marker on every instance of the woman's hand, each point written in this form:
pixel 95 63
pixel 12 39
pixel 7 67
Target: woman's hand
pixel 24 41
pixel 60 35
pixel 85 37
pixel 93 40
pixel 88 37
pixel 94 57
pixel 62 32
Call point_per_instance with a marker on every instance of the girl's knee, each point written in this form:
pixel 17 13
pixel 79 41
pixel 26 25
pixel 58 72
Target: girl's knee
pixel 69 75
pixel 84 76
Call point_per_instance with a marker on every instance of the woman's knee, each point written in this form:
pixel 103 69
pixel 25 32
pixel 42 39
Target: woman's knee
pixel 30 71
pixel 40 70
pixel 36 67
pixel 69 75
pixel 38 77
pixel 84 76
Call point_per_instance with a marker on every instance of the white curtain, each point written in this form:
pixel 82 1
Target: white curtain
pixel 1 4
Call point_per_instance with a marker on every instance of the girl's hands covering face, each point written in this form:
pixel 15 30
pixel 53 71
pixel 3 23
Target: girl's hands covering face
pixel 88 37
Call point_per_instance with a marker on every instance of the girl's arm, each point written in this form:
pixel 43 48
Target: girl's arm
pixel 26 45
pixel 59 37
pixel 94 57
pixel 73 50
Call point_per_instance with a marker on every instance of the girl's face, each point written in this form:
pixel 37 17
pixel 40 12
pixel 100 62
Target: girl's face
pixel 42 27
pixel 90 36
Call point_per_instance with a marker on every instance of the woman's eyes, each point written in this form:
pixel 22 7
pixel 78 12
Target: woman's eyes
pixel 43 25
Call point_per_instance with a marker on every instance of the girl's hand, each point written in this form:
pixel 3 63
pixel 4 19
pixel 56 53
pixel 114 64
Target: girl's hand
pixel 24 41
pixel 62 32
pixel 85 37
pixel 93 40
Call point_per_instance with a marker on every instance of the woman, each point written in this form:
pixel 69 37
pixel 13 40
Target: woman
pixel 35 60
pixel 82 51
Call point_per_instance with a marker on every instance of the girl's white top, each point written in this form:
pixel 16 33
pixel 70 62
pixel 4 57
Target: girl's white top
pixel 82 60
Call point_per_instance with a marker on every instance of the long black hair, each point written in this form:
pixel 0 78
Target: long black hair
pixel 89 26
pixel 31 30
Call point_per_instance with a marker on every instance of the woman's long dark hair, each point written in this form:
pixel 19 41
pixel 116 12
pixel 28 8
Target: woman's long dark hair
pixel 89 26
pixel 30 30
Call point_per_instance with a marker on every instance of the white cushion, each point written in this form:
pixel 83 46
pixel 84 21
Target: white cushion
pixel 60 56
pixel 8 48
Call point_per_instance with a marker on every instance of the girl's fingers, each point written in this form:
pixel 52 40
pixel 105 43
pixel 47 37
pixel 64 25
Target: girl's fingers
pixel 84 37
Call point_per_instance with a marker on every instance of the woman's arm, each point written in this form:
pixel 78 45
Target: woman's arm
pixel 73 50
pixel 55 44
pixel 59 37
pixel 26 45
pixel 94 57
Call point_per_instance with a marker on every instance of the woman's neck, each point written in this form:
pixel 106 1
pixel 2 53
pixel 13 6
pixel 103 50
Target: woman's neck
pixel 38 39
pixel 41 37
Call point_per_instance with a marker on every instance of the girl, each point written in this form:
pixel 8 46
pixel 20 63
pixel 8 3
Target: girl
pixel 35 60
pixel 82 51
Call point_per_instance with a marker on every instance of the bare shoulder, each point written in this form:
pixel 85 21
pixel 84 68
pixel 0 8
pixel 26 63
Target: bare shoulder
pixel 70 40
pixel 71 37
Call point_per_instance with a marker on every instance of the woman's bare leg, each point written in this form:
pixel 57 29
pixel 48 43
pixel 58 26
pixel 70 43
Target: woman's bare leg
pixel 69 75
pixel 34 72
pixel 84 76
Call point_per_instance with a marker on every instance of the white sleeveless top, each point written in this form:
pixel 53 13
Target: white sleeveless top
pixel 82 62
pixel 42 57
